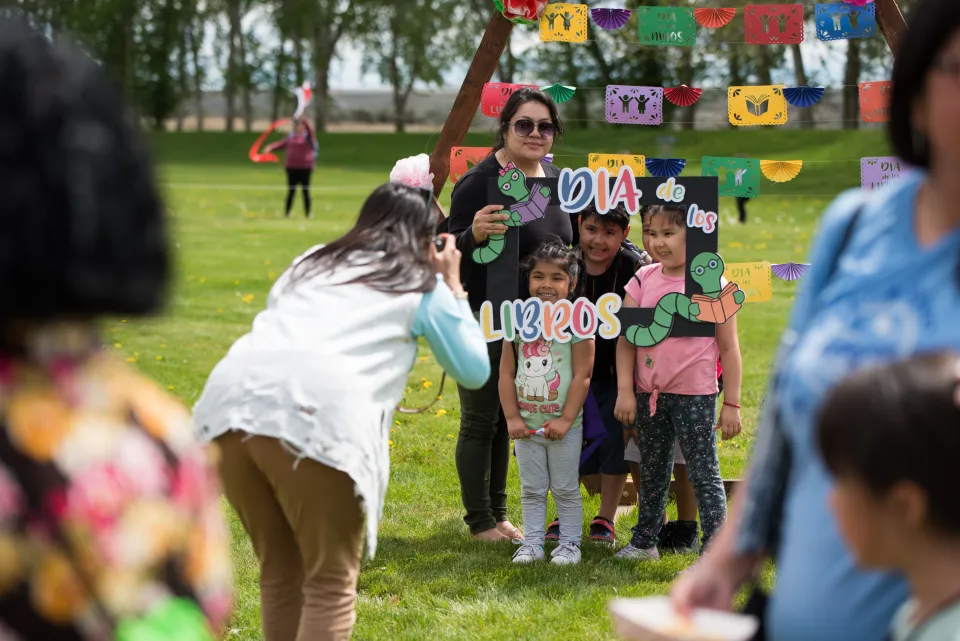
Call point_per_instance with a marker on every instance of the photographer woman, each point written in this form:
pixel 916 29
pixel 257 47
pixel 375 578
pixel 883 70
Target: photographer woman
pixel 528 125
pixel 302 405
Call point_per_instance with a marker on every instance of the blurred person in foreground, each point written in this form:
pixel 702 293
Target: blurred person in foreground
pixel 110 516
pixel 303 404
pixel 883 286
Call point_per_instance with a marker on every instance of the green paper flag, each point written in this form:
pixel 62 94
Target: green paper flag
pixel 667 26
pixel 175 618
pixel 738 176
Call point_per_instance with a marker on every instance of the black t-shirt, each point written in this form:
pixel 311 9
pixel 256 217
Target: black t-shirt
pixel 470 195
pixel 614 280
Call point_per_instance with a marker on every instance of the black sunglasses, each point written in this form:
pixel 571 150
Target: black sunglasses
pixel 524 128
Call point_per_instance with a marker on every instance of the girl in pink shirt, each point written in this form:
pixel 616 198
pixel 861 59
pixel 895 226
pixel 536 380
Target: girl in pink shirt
pixel 301 155
pixel 676 389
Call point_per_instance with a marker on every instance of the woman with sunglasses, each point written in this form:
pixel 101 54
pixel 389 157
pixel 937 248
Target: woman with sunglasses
pixel 527 128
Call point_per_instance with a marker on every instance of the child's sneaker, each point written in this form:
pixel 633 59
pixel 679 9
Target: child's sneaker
pixel 679 537
pixel 602 530
pixel 528 553
pixel 553 531
pixel 566 554
pixel 638 554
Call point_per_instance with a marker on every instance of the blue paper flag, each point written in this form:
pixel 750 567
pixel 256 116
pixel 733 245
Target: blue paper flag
pixel 803 96
pixel 665 167
pixel 842 21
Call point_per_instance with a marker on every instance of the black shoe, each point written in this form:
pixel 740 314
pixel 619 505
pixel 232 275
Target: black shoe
pixel 681 539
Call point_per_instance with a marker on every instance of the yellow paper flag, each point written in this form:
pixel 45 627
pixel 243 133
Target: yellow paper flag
pixel 761 105
pixel 753 279
pixel 564 22
pixel 613 162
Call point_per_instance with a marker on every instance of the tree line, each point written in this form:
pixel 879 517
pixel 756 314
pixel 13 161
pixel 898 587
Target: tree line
pixel 166 53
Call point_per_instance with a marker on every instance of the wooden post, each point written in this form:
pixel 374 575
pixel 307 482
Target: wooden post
pixel 488 54
pixel 891 23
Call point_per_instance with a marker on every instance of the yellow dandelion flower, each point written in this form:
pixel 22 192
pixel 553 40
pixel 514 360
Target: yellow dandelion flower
pixel 203 280
pixel 123 320
pixel 391 443
pixel 170 387
pixel 760 246
pixel 271 276
pixel 441 412
pixel 735 245
pixel 117 345
pixel 427 384
pixel 159 358
pixel 247 298
pixel 219 310
pixel 236 282
pixel 267 262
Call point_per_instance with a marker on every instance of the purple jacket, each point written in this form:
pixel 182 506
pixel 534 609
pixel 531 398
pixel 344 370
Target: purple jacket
pixel 301 151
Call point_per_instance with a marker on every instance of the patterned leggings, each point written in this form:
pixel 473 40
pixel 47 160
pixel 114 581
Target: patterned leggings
pixel 691 421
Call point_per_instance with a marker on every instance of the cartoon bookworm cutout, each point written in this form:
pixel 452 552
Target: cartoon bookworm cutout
pixel 704 303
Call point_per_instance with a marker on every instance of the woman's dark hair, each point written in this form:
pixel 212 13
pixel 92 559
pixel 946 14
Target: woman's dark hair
pixel 898 422
pixel 554 251
pixel 395 220
pixel 677 214
pixel 618 215
pixel 82 226
pixel 517 99
pixel 932 23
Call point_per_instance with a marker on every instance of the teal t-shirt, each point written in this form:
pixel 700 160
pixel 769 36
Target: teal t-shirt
pixel 942 626
pixel 544 372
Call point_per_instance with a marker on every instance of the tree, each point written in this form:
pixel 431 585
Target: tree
pixel 330 20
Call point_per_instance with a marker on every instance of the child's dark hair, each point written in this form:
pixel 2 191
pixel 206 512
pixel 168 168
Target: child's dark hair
pixel 677 213
pixel 899 422
pixel 618 215
pixel 554 251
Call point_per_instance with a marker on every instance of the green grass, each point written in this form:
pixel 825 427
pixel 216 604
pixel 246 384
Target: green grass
pixel 429 580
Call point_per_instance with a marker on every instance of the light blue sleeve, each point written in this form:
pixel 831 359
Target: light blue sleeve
pixel 454 336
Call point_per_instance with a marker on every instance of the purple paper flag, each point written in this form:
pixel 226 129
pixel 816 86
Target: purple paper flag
pixel 876 173
pixel 631 105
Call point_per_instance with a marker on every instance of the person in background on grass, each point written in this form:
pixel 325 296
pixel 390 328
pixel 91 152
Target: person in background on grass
pixel 111 524
pixel 543 385
pixel 676 394
pixel 609 261
pixel 889 437
pixel 852 310
pixel 302 405
pixel 528 126
pixel 300 158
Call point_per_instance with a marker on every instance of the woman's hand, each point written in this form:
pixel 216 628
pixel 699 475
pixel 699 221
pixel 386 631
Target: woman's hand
pixel 625 410
pixel 487 223
pixel 447 262
pixel 555 429
pixel 517 428
pixel 729 423
pixel 705 585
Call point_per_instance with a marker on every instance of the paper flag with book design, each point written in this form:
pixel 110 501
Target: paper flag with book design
pixel 760 105
pixel 463 158
pixel 495 95
pixel 738 176
pixel 564 22
pixel 722 308
pixel 842 21
pixel 666 26
pixel 875 101
pixel 613 163
pixel 773 24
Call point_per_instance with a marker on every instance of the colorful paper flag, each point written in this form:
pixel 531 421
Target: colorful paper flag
pixel 495 95
pixel 738 176
pixel 614 162
pixel 760 105
pixel 878 172
pixel 463 158
pixel 564 22
pixel 666 26
pixel 875 101
pixel 630 105
pixel 773 24
pixel 842 21
pixel 753 279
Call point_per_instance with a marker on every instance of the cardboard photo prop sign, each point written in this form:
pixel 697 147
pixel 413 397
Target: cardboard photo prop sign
pixel 695 312
pixel 842 21
pixel 773 24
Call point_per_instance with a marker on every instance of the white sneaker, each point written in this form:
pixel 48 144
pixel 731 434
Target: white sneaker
pixel 528 553
pixel 638 554
pixel 566 554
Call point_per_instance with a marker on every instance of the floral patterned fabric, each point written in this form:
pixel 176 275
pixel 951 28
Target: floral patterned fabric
pixel 110 511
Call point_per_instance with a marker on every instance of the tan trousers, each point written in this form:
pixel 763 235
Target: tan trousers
pixel 306 526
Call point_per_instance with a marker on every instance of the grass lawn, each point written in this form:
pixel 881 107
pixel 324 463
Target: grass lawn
pixel 429 579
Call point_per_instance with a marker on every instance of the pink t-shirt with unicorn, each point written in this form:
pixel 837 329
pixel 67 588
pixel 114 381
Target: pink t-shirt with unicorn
pixel 676 365
pixel 544 372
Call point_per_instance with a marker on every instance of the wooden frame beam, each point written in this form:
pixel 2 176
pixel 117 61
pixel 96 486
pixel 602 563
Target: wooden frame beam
pixel 891 23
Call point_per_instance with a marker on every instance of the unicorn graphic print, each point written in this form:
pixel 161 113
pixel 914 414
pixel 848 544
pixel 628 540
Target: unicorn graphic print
pixel 538 379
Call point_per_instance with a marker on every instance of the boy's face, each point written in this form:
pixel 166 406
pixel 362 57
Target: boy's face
pixel 667 241
pixel 600 239
pixel 878 531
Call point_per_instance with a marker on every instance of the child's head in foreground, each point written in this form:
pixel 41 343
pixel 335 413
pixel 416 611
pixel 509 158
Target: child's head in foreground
pixel 602 234
pixel 552 270
pixel 665 234
pixel 890 435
